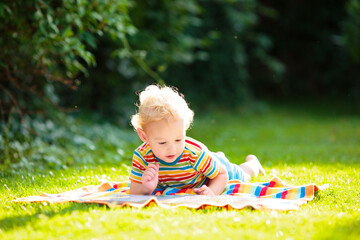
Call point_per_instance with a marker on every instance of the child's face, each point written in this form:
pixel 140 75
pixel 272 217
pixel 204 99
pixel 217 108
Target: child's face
pixel 165 137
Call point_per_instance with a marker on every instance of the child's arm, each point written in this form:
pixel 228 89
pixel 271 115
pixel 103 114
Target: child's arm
pixel 215 186
pixel 149 181
pixel 139 189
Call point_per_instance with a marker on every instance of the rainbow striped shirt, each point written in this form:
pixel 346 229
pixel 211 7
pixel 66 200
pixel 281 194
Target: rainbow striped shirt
pixel 191 170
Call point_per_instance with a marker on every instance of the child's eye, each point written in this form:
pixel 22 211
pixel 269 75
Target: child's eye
pixel 162 143
pixel 178 140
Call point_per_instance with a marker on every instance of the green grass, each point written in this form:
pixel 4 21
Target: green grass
pixel 298 144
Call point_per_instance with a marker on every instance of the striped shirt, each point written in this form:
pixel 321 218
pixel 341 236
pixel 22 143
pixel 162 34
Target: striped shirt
pixel 192 169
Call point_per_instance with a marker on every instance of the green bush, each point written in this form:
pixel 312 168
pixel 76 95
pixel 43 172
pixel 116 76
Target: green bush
pixel 44 42
pixel 46 45
pixel 352 29
pixel 63 141
pixel 203 48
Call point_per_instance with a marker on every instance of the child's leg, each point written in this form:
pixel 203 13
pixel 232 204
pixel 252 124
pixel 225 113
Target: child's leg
pixel 252 167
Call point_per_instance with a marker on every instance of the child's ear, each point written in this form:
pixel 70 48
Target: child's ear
pixel 141 134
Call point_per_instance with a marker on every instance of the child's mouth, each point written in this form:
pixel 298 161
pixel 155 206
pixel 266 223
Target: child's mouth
pixel 170 156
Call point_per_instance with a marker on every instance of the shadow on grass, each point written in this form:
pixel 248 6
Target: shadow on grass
pixel 50 211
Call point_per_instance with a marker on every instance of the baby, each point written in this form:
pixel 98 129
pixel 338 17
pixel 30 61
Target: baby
pixel 168 158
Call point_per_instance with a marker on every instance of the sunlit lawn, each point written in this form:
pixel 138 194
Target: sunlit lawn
pixel 298 145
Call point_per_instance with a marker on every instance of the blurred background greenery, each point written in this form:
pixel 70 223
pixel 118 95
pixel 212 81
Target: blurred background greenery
pixel 88 58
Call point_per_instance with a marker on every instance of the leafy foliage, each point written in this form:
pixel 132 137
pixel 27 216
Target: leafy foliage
pixel 231 44
pixel 45 46
pixel 352 29
pixel 64 141
pixel 203 48
pixel 44 42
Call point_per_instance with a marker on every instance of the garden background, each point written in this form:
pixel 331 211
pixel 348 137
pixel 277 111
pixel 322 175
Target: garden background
pixel 279 79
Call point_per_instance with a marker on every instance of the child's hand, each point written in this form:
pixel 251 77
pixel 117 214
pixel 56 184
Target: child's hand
pixel 150 177
pixel 203 190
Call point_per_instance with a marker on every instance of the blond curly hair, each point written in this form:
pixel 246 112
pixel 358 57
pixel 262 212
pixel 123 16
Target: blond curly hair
pixel 161 102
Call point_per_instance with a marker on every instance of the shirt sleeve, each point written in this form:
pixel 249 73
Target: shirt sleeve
pixel 138 167
pixel 207 164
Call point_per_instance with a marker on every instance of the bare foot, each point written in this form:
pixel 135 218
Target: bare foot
pixel 254 158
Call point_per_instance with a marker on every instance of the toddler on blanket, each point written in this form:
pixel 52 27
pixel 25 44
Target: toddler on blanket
pixel 168 158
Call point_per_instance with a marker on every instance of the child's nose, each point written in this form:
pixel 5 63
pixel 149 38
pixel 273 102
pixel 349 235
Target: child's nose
pixel 172 148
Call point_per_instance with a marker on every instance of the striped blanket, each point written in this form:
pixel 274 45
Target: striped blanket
pixel 272 195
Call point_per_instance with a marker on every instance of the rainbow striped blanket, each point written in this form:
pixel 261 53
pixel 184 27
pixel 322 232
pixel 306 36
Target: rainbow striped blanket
pixel 272 195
